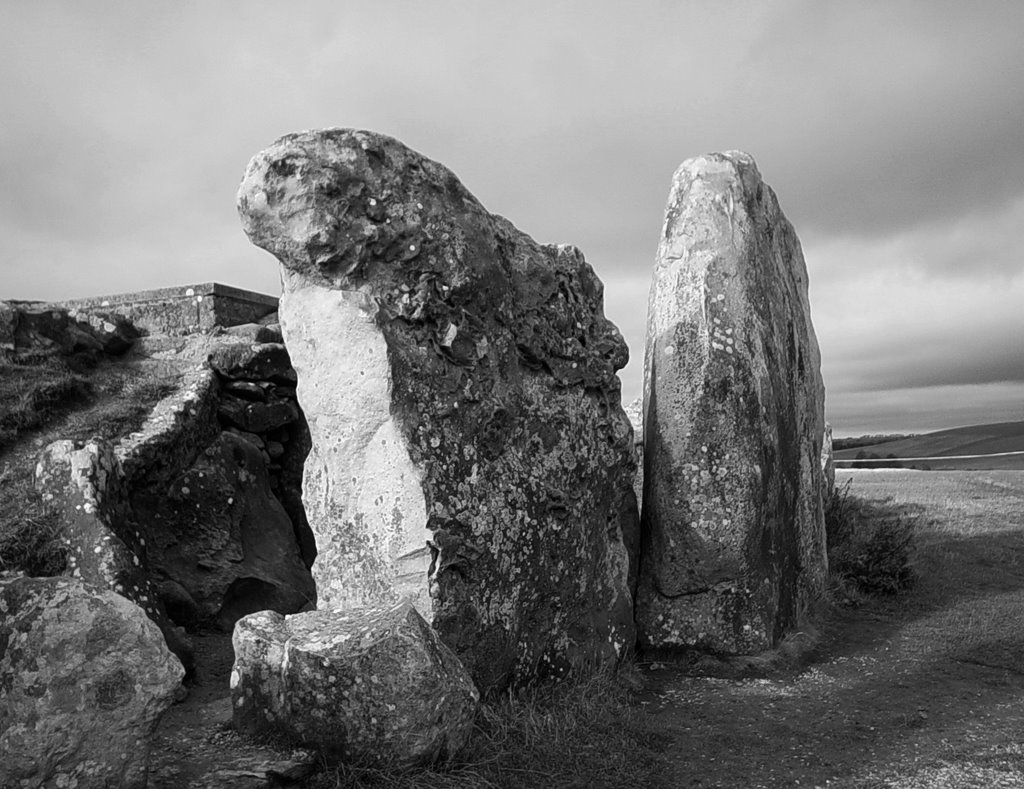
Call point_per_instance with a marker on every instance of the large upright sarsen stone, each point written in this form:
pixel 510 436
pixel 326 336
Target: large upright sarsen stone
pixel 470 452
pixel 733 420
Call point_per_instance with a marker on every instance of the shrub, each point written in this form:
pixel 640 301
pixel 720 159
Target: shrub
pixel 869 544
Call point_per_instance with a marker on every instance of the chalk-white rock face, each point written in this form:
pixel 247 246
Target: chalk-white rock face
pixel 734 417
pixel 373 685
pixel 362 493
pixel 828 466
pixel 635 412
pixel 470 452
pixel 84 678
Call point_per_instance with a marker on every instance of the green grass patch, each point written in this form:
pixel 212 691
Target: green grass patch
pixel 580 733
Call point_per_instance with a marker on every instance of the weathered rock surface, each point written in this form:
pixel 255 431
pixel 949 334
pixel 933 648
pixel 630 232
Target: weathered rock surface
pixel 84 677
pixel 470 452
pixel 209 511
pixel 734 417
pixel 84 486
pixel 257 360
pixel 373 685
pixel 217 531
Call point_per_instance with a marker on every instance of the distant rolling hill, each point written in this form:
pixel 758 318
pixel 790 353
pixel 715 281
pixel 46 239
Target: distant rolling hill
pixel 936 447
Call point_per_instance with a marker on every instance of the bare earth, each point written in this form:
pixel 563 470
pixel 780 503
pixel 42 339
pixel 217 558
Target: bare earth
pixel 921 690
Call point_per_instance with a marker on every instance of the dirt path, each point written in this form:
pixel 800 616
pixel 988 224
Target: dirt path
pixel 922 690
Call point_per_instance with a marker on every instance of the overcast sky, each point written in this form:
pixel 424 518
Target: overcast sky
pixel 893 134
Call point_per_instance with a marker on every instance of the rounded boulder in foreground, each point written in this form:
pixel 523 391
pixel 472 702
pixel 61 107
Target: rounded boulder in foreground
pixel 372 685
pixel 84 678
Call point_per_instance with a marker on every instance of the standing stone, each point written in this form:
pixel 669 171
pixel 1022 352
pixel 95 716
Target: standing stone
pixel 734 416
pixel 374 685
pixel 470 452
pixel 84 678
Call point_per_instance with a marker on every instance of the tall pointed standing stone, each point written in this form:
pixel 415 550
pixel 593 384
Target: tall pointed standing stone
pixel 470 451
pixel 732 524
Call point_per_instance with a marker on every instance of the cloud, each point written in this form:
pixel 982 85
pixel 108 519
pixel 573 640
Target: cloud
pixel 924 410
pixel 892 134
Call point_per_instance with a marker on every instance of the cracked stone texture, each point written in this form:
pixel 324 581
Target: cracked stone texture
pixel 733 530
pixel 374 685
pixel 84 678
pixel 470 451
pixel 217 531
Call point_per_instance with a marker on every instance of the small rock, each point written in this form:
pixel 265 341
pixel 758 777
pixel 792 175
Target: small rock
pixel 253 362
pixel 247 390
pixel 257 417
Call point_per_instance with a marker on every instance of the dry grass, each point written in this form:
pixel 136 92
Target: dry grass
pixel 582 733
pixel 32 395
pixel 58 399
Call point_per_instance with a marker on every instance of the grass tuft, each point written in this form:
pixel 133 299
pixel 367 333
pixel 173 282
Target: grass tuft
pixel 42 399
pixel 582 732
pixel 29 531
pixel 31 397
pixel 869 545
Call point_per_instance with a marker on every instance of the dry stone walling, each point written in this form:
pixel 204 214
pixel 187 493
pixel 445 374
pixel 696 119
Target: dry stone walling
pixel 734 417
pixel 470 452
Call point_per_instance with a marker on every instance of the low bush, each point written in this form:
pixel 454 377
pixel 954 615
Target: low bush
pixel 869 544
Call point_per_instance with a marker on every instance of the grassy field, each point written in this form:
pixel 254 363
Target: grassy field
pixel 920 690
pixel 972 440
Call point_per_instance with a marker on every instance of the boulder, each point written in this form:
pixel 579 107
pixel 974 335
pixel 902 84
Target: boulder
pixel 373 685
pixel 217 531
pixel 469 448
pixel 84 486
pixel 84 678
pixel 733 420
